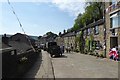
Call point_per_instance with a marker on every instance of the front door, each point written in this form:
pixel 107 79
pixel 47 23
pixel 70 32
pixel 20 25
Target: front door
pixel 113 42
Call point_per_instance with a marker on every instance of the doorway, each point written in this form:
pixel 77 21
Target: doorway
pixel 113 42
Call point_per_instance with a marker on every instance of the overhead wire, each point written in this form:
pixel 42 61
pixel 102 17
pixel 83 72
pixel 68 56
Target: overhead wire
pixel 25 34
pixel 12 9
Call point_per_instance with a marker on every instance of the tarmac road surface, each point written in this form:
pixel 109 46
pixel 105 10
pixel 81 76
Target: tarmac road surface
pixel 76 65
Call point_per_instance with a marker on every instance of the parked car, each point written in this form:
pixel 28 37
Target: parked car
pixel 53 49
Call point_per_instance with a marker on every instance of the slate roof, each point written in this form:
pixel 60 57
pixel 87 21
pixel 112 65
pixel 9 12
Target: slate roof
pixel 17 42
pixel 69 34
pixel 22 38
pixel 99 22
pixel 20 46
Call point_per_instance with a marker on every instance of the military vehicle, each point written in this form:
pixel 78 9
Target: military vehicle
pixel 53 49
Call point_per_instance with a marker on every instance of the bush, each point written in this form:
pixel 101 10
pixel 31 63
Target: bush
pixel 85 51
pixel 76 50
pixel 101 55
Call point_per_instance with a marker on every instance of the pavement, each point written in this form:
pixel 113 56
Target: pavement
pixel 76 65
pixel 42 67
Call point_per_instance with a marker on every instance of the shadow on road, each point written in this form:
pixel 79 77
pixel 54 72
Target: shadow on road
pixel 34 69
pixel 63 56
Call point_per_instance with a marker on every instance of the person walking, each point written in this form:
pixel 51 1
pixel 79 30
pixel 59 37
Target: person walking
pixel 62 49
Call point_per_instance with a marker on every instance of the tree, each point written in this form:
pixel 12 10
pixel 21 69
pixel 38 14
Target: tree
pixel 64 31
pixel 59 33
pixel 51 34
pixel 95 9
pixel 80 40
pixel 39 37
pixel 78 23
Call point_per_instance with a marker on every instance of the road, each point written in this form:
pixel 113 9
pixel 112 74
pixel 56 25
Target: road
pixel 73 65
pixel 76 65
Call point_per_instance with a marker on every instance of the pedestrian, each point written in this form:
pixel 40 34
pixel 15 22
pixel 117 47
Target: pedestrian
pixel 113 54
pixel 63 48
pixel 69 49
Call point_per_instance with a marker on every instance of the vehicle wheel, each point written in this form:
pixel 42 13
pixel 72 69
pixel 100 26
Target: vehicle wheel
pixel 51 55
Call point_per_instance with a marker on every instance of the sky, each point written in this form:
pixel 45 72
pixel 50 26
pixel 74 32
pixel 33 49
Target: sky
pixel 39 17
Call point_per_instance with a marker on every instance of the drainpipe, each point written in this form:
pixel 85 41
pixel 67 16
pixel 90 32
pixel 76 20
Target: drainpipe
pixel 104 18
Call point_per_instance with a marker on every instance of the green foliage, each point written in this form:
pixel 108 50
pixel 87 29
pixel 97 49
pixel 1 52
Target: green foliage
pixel 80 41
pixel 76 50
pixel 91 42
pixel 78 23
pixel 69 30
pixel 87 43
pixel 39 37
pixel 77 39
pixel 60 33
pixel 91 37
pixel 101 55
pixel 93 11
pixel 50 34
pixel 64 31
pixel 86 50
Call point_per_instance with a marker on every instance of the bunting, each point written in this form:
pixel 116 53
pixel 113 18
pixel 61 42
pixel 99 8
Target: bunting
pixel 112 7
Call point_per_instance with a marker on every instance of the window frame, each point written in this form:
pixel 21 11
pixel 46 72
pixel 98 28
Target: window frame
pixel 96 30
pixel 115 18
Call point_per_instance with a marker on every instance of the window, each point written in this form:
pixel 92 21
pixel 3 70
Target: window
pixel 113 1
pixel 86 31
pixel 115 18
pixel 96 30
pixel 89 31
pixel 113 31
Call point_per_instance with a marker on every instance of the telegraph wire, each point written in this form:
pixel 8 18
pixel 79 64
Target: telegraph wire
pixel 16 16
pixel 12 9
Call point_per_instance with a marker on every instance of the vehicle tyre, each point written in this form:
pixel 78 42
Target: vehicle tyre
pixel 51 55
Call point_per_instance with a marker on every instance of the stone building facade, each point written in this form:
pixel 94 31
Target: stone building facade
pixel 112 18
pixel 60 40
pixel 95 31
pixel 69 40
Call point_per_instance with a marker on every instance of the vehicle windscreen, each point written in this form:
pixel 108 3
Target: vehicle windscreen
pixel 52 44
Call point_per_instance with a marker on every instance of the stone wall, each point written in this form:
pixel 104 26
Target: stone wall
pixel 100 37
pixel 69 41
pixel 119 39
pixel 60 41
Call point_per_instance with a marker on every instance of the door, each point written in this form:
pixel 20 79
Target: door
pixel 113 42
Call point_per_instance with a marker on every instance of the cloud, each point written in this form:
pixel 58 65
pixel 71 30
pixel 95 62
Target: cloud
pixel 70 6
pixel 73 7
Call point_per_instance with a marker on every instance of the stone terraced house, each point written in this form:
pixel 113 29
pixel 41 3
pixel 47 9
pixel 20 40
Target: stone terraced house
pixel 96 31
pixel 67 40
pixel 112 21
pixel 105 32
